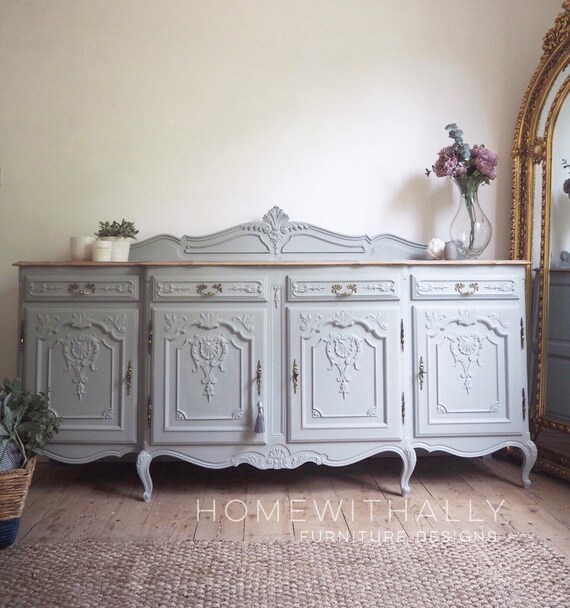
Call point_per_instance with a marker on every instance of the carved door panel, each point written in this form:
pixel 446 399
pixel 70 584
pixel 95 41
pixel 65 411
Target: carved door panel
pixel 86 362
pixel 344 380
pixel 470 374
pixel 208 374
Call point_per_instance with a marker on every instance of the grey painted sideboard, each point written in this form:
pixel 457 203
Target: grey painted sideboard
pixel 276 343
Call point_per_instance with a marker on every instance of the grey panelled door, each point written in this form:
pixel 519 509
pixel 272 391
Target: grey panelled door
pixel 206 365
pixel 344 375
pixel 469 363
pixel 86 360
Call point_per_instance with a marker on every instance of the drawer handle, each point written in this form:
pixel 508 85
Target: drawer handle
pixel 295 376
pixel 421 373
pixel 473 287
pixel 336 289
pixel 258 378
pixel 201 289
pixel 129 378
pixel 73 289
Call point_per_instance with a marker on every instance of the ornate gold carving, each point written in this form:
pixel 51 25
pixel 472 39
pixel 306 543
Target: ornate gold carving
pixel 460 289
pixel 555 57
pixel 559 32
pixel 336 290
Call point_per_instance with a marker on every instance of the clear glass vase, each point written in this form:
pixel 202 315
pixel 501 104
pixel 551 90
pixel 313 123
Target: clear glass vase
pixel 470 229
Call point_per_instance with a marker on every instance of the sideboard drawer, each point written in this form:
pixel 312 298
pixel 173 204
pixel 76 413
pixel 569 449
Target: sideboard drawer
pixel 81 287
pixel 214 288
pixel 463 286
pixel 342 288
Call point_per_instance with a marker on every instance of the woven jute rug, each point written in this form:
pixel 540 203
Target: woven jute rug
pixel 511 571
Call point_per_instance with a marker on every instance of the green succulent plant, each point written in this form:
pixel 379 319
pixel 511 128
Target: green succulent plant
pixel 25 419
pixel 124 229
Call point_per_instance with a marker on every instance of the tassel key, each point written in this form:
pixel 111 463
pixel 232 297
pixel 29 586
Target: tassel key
pixel 260 420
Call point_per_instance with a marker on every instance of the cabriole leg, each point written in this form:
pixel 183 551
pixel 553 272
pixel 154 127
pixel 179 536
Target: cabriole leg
pixel 143 469
pixel 409 460
pixel 529 458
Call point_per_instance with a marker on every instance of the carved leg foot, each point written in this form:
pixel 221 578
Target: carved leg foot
pixel 529 458
pixel 409 460
pixel 143 469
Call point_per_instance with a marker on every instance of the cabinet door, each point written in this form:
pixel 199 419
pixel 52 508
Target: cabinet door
pixel 470 373
pixel 205 374
pixel 86 361
pixel 344 379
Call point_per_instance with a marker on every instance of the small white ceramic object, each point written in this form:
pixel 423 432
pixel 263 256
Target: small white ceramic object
pixel 102 251
pixel 451 251
pixel 435 249
pixel 80 248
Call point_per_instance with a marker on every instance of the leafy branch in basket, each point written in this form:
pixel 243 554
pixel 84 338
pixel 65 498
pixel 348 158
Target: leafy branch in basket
pixel 25 420
pixel 124 229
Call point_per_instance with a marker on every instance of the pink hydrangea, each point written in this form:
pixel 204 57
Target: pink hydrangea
pixel 484 161
pixel 446 162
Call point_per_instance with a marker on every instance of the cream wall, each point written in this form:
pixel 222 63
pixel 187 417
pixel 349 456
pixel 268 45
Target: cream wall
pixel 189 116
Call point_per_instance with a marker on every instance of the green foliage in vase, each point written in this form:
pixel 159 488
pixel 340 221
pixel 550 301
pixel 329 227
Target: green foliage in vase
pixel 124 229
pixel 25 419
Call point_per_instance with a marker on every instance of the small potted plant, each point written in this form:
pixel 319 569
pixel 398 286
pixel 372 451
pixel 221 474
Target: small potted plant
pixel 121 234
pixel 26 424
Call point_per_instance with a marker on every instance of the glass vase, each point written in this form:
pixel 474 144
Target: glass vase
pixel 470 229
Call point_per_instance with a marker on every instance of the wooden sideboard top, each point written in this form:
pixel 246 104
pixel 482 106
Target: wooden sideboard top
pixel 183 263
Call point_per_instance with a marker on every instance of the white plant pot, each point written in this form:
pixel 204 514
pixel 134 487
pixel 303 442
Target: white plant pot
pixel 102 250
pixel 120 249
pixel 80 247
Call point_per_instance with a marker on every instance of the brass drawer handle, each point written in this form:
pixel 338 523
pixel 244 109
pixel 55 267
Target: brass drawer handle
pixel 129 378
pixel 473 287
pixel 258 378
pixel 336 289
pixel 421 373
pixel 201 289
pixel 73 289
pixel 295 376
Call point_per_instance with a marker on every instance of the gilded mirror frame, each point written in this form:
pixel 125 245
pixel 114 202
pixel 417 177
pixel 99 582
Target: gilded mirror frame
pixel 532 161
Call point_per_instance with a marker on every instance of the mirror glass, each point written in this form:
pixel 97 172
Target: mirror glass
pixel 557 264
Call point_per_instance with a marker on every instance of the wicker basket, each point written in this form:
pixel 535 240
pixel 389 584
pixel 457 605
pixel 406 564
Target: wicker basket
pixel 14 487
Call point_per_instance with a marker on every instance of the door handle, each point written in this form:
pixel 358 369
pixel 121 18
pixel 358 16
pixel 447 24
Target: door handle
pixel 295 376
pixel 421 373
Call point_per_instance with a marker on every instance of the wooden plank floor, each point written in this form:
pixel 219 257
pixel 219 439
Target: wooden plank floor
pixel 467 498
